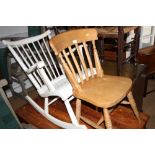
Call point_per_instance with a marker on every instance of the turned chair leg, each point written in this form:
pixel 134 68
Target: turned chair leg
pixel 107 118
pixel 78 109
pixel 133 105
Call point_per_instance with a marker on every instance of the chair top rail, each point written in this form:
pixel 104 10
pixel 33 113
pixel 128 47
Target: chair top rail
pixel 27 40
pixel 65 39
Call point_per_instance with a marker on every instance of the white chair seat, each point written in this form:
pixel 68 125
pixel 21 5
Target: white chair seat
pixel 63 89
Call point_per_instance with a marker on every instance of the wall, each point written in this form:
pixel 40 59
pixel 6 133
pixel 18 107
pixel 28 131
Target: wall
pixel 13 31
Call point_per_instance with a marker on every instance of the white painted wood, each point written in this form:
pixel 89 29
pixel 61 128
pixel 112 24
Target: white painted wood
pixel 44 71
pixel 71 113
pixel 53 119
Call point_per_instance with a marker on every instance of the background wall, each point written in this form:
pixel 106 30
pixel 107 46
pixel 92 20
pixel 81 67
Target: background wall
pixel 13 30
pixel 9 31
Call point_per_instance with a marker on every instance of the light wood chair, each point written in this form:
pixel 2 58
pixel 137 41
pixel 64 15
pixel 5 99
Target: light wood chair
pixel 100 90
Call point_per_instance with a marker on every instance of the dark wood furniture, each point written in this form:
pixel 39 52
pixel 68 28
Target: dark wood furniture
pixel 119 33
pixel 147 56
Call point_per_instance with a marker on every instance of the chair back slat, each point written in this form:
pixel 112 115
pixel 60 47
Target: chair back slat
pixel 34 56
pixel 83 65
pixel 27 55
pixel 35 73
pixel 69 73
pixel 47 60
pixel 69 63
pixel 76 64
pixel 22 56
pixel 97 61
pixel 38 57
pixel 51 57
pixel 88 59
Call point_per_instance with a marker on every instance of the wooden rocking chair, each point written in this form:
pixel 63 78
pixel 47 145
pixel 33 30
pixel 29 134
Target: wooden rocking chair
pixel 46 74
pixel 100 90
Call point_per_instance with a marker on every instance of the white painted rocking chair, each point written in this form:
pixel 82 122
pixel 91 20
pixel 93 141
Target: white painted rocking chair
pixel 42 68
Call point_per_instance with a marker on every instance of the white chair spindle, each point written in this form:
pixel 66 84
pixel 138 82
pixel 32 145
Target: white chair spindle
pixel 51 56
pixel 26 52
pixel 47 61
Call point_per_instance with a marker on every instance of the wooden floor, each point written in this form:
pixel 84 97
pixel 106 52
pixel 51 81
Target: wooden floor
pixel 28 114
pixel 122 117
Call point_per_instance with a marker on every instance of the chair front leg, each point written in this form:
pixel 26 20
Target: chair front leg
pixel 133 105
pixel 107 118
pixel 78 109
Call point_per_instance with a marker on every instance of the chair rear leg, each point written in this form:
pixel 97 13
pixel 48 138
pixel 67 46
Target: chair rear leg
pixel 107 118
pixel 78 109
pixel 133 105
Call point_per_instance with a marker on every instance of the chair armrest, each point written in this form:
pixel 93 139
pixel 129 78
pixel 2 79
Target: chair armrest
pixel 38 65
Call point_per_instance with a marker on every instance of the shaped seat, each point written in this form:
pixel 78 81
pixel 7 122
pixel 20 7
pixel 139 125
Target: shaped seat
pixel 101 90
pixel 46 74
pixel 104 92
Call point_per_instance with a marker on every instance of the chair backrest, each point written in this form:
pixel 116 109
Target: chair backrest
pixel 34 53
pixel 74 62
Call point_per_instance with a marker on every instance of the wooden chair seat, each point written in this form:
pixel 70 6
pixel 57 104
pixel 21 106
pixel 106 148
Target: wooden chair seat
pixel 104 92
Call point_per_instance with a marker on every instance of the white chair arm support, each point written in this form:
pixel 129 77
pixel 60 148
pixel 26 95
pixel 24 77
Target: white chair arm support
pixel 38 65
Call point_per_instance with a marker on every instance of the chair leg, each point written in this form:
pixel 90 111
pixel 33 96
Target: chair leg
pixel 133 105
pixel 78 109
pixel 24 91
pixel 107 118
pixel 102 118
pixel 71 113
